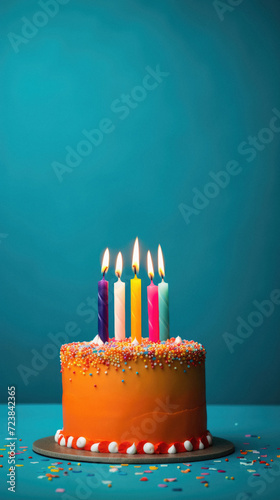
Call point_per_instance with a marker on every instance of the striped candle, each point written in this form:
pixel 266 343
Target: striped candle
pixel 103 301
pixel 163 300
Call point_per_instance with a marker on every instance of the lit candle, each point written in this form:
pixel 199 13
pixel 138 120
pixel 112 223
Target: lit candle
pixel 119 301
pixel 135 292
pixel 163 300
pixel 103 287
pixel 152 291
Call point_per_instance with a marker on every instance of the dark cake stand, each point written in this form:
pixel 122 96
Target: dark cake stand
pixel 48 447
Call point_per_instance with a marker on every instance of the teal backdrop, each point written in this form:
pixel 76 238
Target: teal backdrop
pixel 156 119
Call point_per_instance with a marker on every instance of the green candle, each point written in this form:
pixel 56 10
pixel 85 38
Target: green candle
pixel 163 300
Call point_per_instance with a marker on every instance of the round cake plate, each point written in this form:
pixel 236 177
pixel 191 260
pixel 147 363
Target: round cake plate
pixel 48 447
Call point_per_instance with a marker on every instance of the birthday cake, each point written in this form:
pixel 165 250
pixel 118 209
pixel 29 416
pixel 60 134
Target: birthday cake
pixel 130 397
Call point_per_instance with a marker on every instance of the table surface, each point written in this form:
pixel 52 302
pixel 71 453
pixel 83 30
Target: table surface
pixel 254 430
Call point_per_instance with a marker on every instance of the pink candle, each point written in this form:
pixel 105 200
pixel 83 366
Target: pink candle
pixel 153 313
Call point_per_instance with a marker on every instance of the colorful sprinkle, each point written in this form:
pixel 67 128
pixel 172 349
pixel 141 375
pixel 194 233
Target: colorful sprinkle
pixel 88 355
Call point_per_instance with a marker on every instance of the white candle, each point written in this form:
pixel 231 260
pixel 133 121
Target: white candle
pixel 119 301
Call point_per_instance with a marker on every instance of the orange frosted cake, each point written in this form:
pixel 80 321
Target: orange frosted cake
pixel 125 397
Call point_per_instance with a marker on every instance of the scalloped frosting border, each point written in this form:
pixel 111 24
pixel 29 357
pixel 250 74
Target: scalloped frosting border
pixel 126 447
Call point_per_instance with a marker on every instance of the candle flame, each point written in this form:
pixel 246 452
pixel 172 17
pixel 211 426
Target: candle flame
pixel 135 256
pixel 161 269
pixel 105 261
pixel 119 265
pixel 150 265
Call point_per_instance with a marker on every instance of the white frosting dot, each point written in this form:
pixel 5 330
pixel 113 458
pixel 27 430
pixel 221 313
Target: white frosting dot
pixel 172 449
pixel 178 340
pixel 188 445
pixel 94 448
pixel 62 442
pixel 131 450
pixel 148 448
pixel 97 340
pixel 69 442
pixel 81 441
pixel 56 436
pixel 135 342
pixel 113 447
pixel 209 439
pixel 201 445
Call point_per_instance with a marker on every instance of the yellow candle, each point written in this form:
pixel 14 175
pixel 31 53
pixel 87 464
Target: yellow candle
pixel 135 293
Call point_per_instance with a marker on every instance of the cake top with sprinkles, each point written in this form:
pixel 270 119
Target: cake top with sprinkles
pixel 86 355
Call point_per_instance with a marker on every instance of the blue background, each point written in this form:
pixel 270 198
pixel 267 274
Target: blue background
pixel 222 85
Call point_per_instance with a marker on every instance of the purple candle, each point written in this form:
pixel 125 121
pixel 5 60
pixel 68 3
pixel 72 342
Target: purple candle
pixel 103 300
